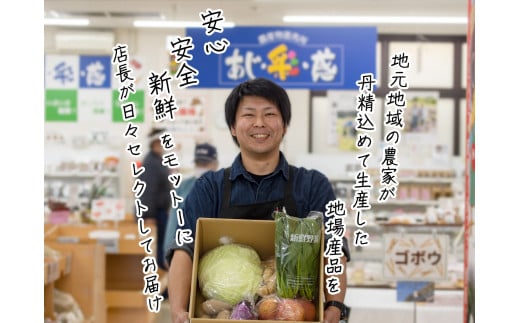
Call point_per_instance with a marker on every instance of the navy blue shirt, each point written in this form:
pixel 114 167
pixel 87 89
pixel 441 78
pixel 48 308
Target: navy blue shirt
pixel 156 196
pixel 311 190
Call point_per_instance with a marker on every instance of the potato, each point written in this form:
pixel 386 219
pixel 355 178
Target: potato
pixel 263 290
pixel 224 314
pixel 214 306
pixel 268 273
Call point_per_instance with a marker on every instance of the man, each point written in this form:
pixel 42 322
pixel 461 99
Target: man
pixel 156 196
pixel 206 159
pixel 258 113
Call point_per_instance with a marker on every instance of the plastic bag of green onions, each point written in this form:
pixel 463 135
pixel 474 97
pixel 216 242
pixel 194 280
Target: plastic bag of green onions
pixel 297 254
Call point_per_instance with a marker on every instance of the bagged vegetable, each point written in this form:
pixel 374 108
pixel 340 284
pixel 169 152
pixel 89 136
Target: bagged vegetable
pixel 297 254
pixel 275 308
pixel 243 311
pixel 268 284
pixel 230 273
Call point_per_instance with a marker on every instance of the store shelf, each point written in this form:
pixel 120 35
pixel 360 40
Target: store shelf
pixel 120 278
pixel 365 268
pixel 404 180
pixel 78 274
pixel 66 175
pixel 423 225
pixel 404 202
pixel 381 305
pixel 55 268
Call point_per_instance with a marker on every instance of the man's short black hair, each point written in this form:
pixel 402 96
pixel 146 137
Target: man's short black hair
pixel 153 136
pixel 260 87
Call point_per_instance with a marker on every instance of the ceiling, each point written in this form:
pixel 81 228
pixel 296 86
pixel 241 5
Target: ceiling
pixel 113 14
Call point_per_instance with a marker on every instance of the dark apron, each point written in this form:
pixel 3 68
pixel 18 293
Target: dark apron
pixel 256 211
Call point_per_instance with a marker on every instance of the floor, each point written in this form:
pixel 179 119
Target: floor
pixel 164 314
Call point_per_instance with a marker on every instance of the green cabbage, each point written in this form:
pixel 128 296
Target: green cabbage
pixel 230 273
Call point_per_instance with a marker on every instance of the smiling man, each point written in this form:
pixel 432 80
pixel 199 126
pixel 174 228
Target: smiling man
pixel 259 181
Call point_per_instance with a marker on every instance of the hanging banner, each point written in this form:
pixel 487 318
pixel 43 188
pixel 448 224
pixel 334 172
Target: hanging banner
pixel 319 58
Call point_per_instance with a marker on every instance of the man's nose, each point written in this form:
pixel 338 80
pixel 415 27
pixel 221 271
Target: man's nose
pixel 259 121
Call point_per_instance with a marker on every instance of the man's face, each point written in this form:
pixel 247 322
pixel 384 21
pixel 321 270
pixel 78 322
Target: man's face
pixel 157 148
pixel 259 127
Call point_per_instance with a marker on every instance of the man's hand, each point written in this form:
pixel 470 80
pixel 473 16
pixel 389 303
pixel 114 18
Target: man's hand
pixel 179 283
pixel 180 317
pixel 331 315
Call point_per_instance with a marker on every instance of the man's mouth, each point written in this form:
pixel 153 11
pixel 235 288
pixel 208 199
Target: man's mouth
pixel 260 136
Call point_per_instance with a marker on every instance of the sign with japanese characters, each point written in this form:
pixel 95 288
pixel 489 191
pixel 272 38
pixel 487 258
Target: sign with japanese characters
pixel 191 117
pixel 295 57
pixel 416 257
pixel 82 88
pixel 136 99
pixel 104 209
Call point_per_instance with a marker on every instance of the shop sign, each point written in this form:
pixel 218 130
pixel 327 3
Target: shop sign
pixel 416 257
pixel 78 71
pixel 61 105
pixel 294 57
pixel 137 99
pixel 79 88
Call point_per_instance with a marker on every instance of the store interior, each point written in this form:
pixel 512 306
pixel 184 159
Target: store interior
pixel 86 158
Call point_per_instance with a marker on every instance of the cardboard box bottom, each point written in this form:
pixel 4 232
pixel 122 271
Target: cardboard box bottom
pixel 258 234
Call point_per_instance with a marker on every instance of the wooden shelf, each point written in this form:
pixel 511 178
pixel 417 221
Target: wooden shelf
pixel 125 299
pixel 55 268
pixel 78 273
pixel 111 281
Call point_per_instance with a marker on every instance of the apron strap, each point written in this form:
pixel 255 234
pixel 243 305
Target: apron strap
pixel 226 197
pixel 289 203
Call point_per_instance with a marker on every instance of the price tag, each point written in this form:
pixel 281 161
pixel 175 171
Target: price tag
pixel 104 209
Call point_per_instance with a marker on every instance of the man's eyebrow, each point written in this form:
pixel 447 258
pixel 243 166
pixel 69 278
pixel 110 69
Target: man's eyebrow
pixel 264 108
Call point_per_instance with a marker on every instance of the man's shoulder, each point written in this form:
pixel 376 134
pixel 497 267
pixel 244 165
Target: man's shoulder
pixel 212 177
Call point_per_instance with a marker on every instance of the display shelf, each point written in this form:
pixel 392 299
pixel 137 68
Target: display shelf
pixel 76 188
pixel 429 226
pixel 79 275
pixel 55 268
pixel 381 305
pixel 365 267
pixel 407 180
pixel 76 175
pixel 407 202
pixel 122 278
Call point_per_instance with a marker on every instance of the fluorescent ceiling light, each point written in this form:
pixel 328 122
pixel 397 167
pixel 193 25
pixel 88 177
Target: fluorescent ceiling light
pixel 377 19
pixel 66 22
pixel 175 24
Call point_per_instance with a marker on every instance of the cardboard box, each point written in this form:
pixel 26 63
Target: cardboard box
pixel 257 234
